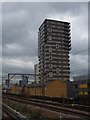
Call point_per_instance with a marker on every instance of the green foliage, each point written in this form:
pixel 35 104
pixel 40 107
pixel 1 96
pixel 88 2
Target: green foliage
pixel 35 115
pixel 25 110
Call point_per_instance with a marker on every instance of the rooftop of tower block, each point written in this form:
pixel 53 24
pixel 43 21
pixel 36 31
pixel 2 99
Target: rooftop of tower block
pixel 51 20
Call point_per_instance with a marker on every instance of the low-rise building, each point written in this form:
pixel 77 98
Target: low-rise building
pixel 81 85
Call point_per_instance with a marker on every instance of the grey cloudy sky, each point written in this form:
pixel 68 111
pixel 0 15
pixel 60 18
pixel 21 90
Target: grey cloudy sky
pixel 20 23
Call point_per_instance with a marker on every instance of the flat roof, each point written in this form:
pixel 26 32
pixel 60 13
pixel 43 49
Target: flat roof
pixel 81 77
pixel 53 21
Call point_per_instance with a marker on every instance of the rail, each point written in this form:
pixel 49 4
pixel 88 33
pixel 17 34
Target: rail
pixel 51 106
pixel 12 114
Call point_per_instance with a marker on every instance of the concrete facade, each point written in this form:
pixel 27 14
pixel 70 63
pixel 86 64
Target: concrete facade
pixel 36 71
pixel 54 45
pixel 81 86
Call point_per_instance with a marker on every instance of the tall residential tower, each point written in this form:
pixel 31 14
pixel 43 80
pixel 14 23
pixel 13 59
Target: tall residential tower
pixel 54 45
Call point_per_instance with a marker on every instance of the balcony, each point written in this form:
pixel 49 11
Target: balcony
pixel 67 25
pixel 67 48
pixel 60 55
pixel 67 37
pixel 67 40
pixel 57 59
pixel 66 44
pixel 67 29
pixel 67 33
pixel 49 44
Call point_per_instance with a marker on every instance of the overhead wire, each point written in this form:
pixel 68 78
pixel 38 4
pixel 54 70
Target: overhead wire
pixel 75 65
pixel 81 51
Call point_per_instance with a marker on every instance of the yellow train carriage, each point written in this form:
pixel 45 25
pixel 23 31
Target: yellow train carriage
pixel 15 89
pixel 54 88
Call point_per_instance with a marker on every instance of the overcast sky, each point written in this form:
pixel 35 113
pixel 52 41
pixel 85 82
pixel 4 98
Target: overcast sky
pixel 20 23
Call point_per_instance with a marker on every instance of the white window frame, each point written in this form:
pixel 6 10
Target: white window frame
pixel 50 49
pixel 50 57
pixel 50 74
pixel 57 70
pixel 57 46
pixel 50 37
pixel 50 66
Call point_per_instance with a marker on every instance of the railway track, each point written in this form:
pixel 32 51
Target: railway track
pixel 9 114
pixel 6 115
pixel 71 106
pixel 81 115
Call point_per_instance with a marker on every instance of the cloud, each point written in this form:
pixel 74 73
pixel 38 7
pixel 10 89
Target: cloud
pixel 20 31
pixel 25 65
pixel 18 63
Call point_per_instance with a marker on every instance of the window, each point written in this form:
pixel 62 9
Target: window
pixel 76 93
pixel 57 70
pixel 80 93
pixel 57 46
pixel 85 86
pixel 50 66
pixel 50 37
pixel 50 57
pixel 62 38
pixel 76 86
pixel 50 74
pixel 80 86
pixel 49 30
pixel 53 26
pixel 41 63
pixel 85 93
pixel 44 65
pixel 50 49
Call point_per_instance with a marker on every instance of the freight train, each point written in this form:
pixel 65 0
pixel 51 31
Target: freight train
pixel 51 88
